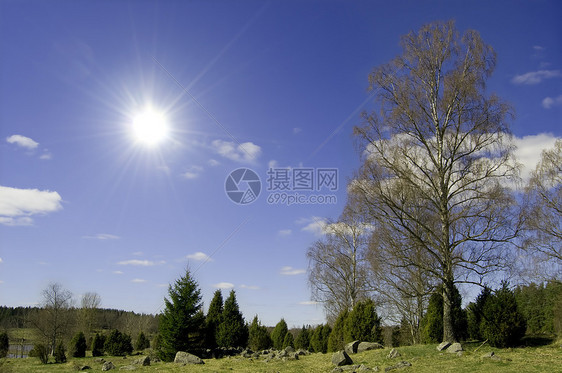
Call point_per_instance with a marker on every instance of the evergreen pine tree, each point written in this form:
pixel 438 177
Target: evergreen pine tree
pixel 78 345
pixel 142 342
pixel 432 323
pixel 258 336
pixel 118 344
pixel 475 313
pixel 213 319
pixel 302 341
pixel 97 345
pixel 278 334
pixel 319 338
pixel 232 330
pixel 181 324
pixel 4 344
pixel 60 354
pixel 289 340
pixel 336 340
pixel 363 323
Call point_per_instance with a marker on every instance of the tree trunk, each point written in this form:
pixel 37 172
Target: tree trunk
pixel 448 328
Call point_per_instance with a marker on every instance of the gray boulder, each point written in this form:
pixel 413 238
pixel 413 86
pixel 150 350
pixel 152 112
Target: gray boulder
pixel 341 358
pixel 367 346
pixel 187 358
pixel 144 361
pixel 85 367
pixel 289 349
pixel 128 367
pixel 393 354
pixel 443 345
pixel 108 365
pixel 400 365
pixel 454 348
pixel 351 347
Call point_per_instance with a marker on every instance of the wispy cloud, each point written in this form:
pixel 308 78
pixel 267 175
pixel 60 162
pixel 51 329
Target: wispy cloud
pixel 46 156
pixel 315 225
pixel 23 141
pixel 199 256
pixel 297 130
pixel 1 260
pixel 550 102
pixel 250 287
pixel 138 280
pixel 102 236
pixel 192 173
pixel 224 285
pixel 245 152
pixel 535 77
pixel 213 162
pixel 290 271
pixel 117 272
pixel 18 205
pixel 141 263
pixel 285 232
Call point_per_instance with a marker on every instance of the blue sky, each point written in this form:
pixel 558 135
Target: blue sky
pixel 82 202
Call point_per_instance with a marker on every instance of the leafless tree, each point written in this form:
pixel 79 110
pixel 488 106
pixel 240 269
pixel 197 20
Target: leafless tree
pixel 337 264
pixel 55 318
pixel 440 139
pixel 89 303
pixel 543 207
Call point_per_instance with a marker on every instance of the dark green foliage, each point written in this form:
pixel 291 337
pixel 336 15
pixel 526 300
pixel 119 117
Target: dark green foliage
pixel 538 304
pixel 118 344
pixel 78 345
pixel 182 322
pixel 60 354
pixel 156 343
pixel 336 340
pixel 278 334
pixel 432 323
pixel 406 338
pixel 258 336
pixel 232 331
pixel 475 312
pixel 4 344
pixel 319 339
pixel 142 342
pixel 363 323
pixel 303 339
pixel 213 320
pixel 97 345
pixel 289 340
pixel 41 352
pixel 396 336
pixel 502 323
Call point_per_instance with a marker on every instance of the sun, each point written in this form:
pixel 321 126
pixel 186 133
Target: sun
pixel 150 127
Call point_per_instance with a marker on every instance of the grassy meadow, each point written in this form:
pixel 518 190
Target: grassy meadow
pixel 424 358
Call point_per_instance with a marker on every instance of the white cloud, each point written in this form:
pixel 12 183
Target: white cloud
pixel 538 48
pixel 46 156
pixel 193 172
pixel 245 152
pixel 1 282
pixel 117 272
pixel 535 77
pixel 213 162
pixel 103 236
pixel 285 232
pixel 550 102
pixel 223 285
pixel 24 142
pixel 138 280
pixel 529 149
pixel 250 287
pixel 273 164
pixel 141 263
pixel 297 130
pixel 315 225
pixel 308 303
pixel 199 256
pixel 290 271
pixel 17 205
pixel 1 260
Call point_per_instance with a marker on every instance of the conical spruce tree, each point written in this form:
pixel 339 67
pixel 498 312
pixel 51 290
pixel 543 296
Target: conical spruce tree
pixel 142 342
pixel 98 345
pixel 336 340
pixel 289 340
pixel 278 334
pixel 476 312
pixel 432 323
pixel 232 330
pixel 182 322
pixel 363 323
pixel 258 336
pixel 78 345
pixel 302 341
pixel 213 319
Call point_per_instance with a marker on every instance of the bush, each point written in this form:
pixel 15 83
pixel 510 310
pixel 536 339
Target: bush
pixel 289 340
pixel 336 340
pixel 278 334
pixel 432 323
pixel 258 336
pixel 78 345
pixel 118 344
pixel 475 313
pixel 303 339
pixel 40 351
pixel 319 339
pixel 502 323
pixel 142 342
pixel 60 354
pixel 97 345
pixel 363 323
pixel 4 344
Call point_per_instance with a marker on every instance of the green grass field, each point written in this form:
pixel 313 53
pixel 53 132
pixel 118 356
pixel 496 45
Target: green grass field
pixel 423 359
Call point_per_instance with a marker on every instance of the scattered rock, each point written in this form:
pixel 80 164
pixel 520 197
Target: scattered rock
pixel 351 347
pixel 393 354
pixel 341 358
pixel 84 367
pixel 303 352
pixel 367 346
pixel 108 365
pixel 488 355
pixel 400 365
pixel 99 360
pixel 144 361
pixel 187 358
pixel 454 348
pixel 128 367
pixel 289 349
pixel 459 353
pixel 443 345
pixel 355 368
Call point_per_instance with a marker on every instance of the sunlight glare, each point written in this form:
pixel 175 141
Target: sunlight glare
pixel 150 127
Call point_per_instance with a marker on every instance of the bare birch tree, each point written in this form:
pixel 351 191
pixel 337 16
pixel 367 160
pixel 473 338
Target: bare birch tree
pixel 440 139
